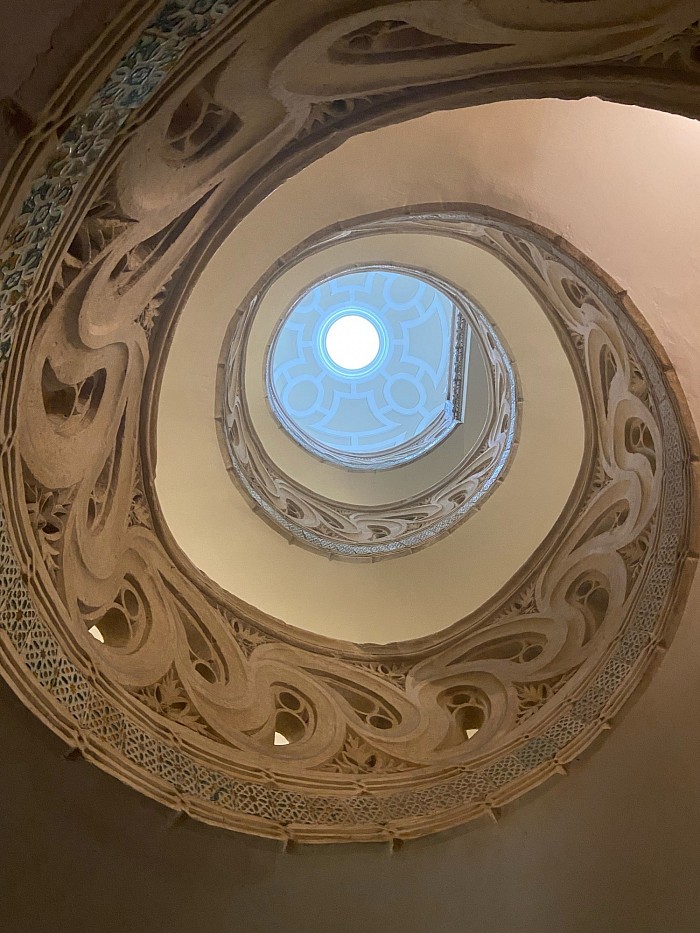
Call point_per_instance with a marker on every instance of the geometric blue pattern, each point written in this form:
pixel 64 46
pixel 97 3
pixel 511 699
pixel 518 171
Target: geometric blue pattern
pixel 394 408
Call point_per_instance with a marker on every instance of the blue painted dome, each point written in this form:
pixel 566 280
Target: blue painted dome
pixel 367 368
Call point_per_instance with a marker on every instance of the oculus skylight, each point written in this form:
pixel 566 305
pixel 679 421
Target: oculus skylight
pixel 367 369
pixel 352 342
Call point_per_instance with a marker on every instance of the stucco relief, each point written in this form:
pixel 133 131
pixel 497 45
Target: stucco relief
pixel 349 531
pixel 183 693
pixel 196 660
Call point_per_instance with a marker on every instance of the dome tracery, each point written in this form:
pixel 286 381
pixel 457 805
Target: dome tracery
pixel 403 394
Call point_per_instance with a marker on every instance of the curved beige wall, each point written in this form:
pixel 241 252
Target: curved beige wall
pixel 620 183
pixel 634 206
pixel 389 600
pixel 612 847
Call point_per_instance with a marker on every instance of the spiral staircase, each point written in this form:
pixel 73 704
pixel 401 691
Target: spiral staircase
pixel 391 630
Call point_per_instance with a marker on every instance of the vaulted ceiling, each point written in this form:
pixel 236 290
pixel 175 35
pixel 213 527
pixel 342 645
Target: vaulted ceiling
pixel 608 842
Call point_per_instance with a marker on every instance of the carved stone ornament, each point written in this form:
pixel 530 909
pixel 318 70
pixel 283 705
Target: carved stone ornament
pixel 108 633
pixel 345 530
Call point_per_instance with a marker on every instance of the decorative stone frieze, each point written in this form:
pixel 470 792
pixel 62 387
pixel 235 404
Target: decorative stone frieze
pixel 109 634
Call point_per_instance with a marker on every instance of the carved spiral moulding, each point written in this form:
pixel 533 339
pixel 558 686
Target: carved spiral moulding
pixel 127 650
pixel 452 335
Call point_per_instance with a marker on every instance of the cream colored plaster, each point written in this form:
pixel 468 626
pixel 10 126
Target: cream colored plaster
pixel 324 478
pixel 619 182
pixel 390 600
pixel 613 845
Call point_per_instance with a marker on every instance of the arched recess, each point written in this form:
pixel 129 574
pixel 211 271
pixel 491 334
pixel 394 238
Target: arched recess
pixel 99 249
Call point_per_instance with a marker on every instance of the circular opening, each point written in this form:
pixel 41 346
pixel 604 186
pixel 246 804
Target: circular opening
pixel 369 368
pixel 352 342
pixel 288 728
pixel 113 629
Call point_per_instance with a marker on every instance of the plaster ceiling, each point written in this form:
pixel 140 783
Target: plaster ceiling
pixel 401 482
pixel 614 843
pixel 361 368
pixel 393 600
pixel 610 845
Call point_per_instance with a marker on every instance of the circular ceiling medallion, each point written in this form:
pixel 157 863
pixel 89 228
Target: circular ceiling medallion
pixel 364 368
pixel 431 359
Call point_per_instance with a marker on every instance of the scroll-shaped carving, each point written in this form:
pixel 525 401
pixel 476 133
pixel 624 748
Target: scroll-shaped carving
pixel 199 125
pixel 200 664
pixel 468 709
pixel 368 707
pixel 398 40
pixel 294 715
pixel 121 624
pixel 72 406
pixel 184 689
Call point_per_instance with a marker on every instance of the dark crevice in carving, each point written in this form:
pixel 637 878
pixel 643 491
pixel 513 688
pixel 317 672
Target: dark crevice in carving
pixel 73 406
pixel 294 715
pixel 468 709
pixel 608 371
pixel 368 706
pixel 397 41
pixel 639 440
pixel 200 124
pixel 104 490
pixel 519 649
pixel 138 260
pixel 123 623
pixel 206 657
pixel 590 595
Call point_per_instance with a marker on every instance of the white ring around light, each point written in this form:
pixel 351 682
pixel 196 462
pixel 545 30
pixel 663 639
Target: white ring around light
pixel 352 342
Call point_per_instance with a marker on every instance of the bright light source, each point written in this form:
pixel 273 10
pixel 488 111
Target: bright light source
pixel 96 634
pixel 280 739
pixel 352 342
